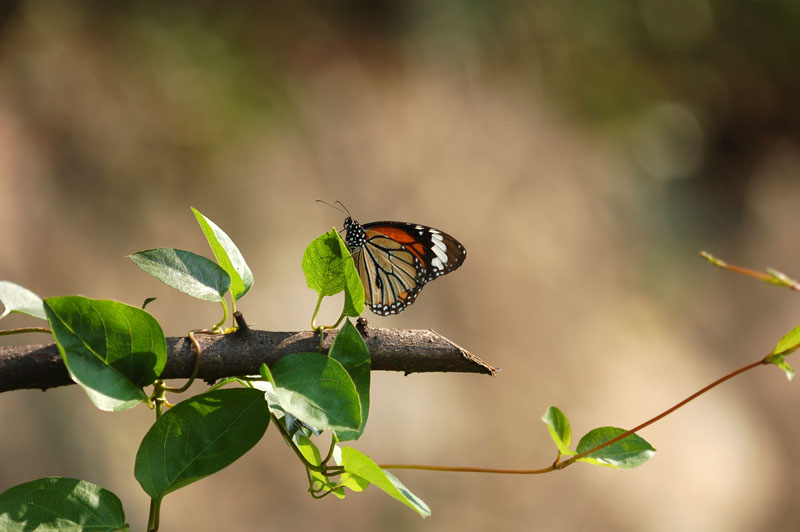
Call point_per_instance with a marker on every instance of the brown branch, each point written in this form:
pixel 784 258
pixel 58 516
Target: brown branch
pixel 242 353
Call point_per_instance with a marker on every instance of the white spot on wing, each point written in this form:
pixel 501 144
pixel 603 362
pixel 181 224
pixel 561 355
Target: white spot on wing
pixel 437 263
pixel 441 254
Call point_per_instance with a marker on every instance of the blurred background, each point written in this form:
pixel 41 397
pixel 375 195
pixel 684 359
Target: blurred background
pixel 583 152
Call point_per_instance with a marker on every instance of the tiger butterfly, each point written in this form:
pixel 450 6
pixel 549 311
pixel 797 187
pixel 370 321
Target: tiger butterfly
pixel 396 259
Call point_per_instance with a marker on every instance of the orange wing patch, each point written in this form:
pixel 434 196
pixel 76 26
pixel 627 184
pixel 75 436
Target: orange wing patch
pixel 408 241
pixel 398 235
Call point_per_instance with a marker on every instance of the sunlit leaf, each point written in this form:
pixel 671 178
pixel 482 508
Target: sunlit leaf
pixel 323 264
pixel 789 343
pixel 629 452
pixel 354 482
pixel 362 466
pixel 16 298
pixel 228 256
pixel 188 272
pixel 558 425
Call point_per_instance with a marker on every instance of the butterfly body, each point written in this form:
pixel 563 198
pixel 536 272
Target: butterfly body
pixel 396 259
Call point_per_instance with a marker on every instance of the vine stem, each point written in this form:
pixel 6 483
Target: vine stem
pixel 218 326
pixel 154 517
pixel 316 311
pixel 196 368
pixel 457 469
pixel 318 328
pixel 561 465
pixel 288 439
pixel 771 276
pixel 23 330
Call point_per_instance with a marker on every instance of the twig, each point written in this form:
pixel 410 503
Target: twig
pixel 242 353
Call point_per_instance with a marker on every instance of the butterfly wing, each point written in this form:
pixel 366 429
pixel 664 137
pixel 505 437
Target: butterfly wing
pixel 398 258
pixel 389 272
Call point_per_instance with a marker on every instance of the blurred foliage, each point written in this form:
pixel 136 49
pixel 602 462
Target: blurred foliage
pixel 605 60
pixel 697 88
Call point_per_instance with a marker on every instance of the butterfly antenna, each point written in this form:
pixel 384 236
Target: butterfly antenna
pixel 333 206
pixel 345 208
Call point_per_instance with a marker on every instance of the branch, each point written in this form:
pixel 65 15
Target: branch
pixel 242 353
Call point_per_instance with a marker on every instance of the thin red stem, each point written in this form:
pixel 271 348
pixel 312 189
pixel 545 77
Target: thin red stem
pixel 491 470
pixel 560 465
pixel 664 413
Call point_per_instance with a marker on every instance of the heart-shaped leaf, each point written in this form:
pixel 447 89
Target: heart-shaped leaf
pixel 110 349
pixel 317 390
pixel 323 265
pixel 198 437
pixel 329 269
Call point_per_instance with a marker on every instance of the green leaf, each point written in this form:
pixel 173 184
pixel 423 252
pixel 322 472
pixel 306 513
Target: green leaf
pixel 559 429
pixel 16 298
pixel 198 437
pixel 288 421
pixel 110 349
pixel 339 492
pixel 353 482
pixel 789 343
pixel 779 361
pixel 323 265
pixel 353 287
pixel 310 453
pixel 317 390
pixel 631 451
pixel 228 256
pixel 351 351
pixel 266 374
pixel 58 504
pixel 360 465
pixel 329 269
pixel 188 272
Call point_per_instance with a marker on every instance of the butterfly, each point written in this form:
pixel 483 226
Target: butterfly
pixel 396 259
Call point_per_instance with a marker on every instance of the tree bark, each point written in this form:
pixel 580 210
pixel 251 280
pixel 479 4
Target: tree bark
pixel 243 352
